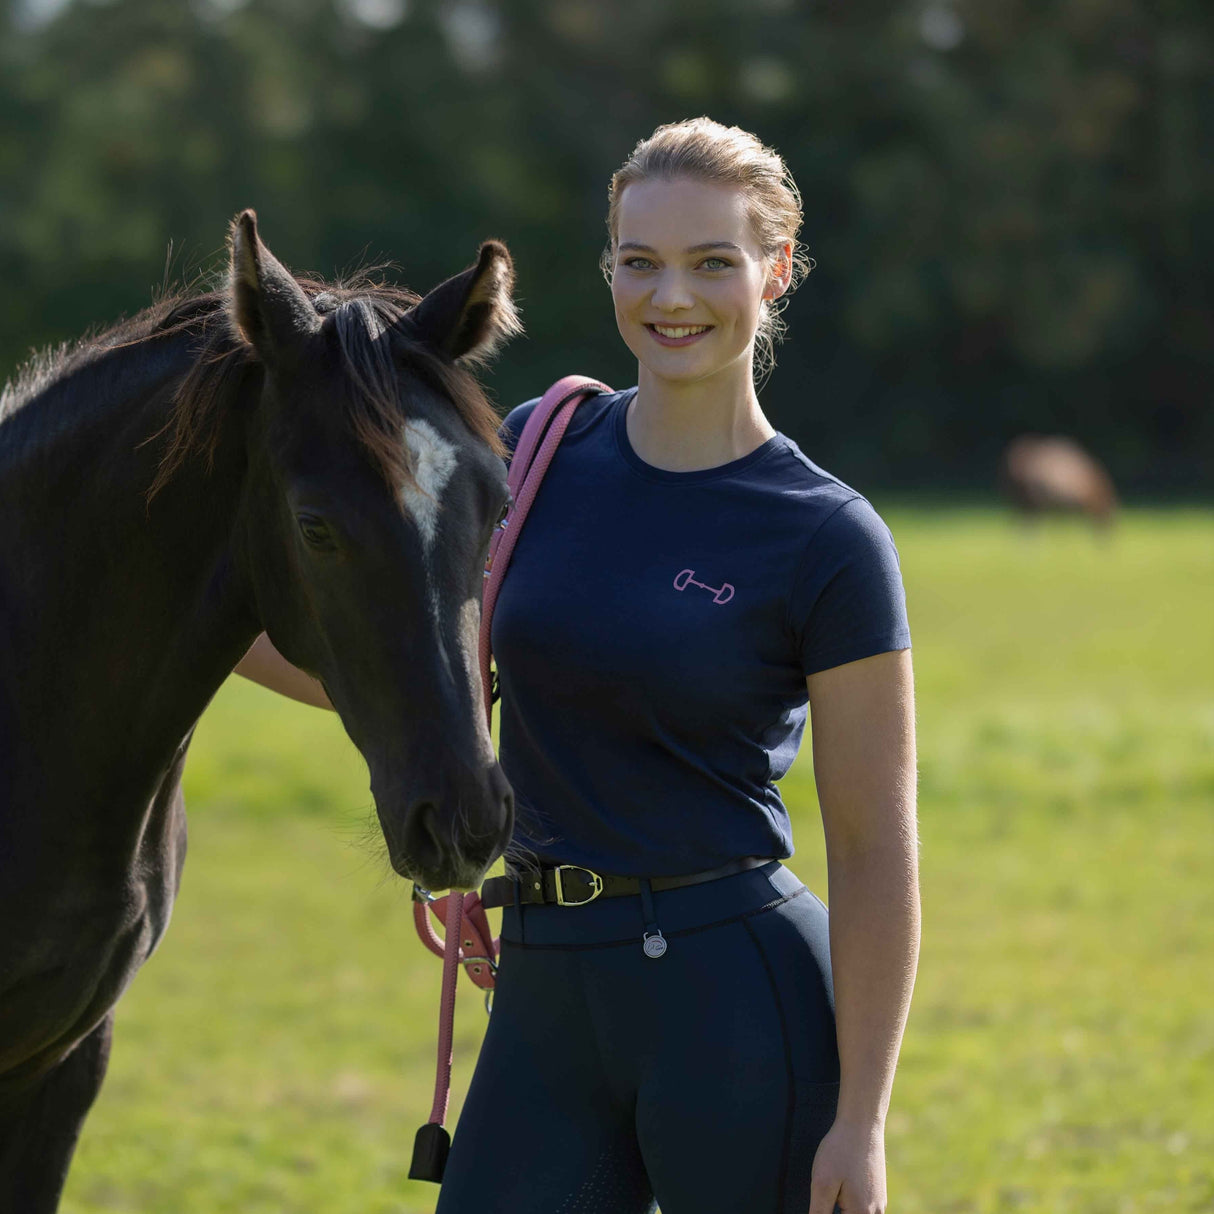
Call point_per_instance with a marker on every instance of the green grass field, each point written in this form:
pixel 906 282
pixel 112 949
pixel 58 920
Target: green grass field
pixel 276 1054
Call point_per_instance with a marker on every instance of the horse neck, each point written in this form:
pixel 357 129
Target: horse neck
pixel 121 617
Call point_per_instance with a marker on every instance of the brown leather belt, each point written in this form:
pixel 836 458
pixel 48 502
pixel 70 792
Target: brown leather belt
pixel 576 885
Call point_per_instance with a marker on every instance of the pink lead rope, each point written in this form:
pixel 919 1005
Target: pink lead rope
pixel 536 446
pixel 468 940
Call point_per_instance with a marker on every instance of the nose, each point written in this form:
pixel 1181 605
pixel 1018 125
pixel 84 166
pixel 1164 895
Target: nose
pixel 448 840
pixel 420 839
pixel 671 293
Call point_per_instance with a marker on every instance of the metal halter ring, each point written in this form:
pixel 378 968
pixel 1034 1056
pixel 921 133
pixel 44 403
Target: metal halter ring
pixel 485 960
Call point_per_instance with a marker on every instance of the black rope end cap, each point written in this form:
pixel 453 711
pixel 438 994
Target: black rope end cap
pixel 430 1150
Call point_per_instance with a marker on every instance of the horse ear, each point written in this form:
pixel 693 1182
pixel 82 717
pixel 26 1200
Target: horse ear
pixel 267 306
pixel 469 316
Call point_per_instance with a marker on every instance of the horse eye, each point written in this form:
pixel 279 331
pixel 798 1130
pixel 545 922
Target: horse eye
pixel 509 505
pixel 315 531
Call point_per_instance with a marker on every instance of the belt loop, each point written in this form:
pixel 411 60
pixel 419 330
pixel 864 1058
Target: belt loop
pixel 653 943
pixel 517 884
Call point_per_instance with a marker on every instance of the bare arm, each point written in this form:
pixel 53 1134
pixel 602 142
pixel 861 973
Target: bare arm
pixel 265 665
pixel 864 765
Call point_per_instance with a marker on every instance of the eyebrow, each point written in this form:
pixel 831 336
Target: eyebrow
pixel 708 246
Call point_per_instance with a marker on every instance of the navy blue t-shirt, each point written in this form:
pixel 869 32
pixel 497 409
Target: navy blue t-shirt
pixel 653 636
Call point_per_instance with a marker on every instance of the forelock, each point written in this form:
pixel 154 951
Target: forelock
pixel 374 347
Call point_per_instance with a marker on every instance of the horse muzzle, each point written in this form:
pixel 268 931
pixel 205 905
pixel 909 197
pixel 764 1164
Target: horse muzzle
pixel 448 838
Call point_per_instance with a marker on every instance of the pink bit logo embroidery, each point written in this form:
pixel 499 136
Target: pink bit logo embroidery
pixel 687 577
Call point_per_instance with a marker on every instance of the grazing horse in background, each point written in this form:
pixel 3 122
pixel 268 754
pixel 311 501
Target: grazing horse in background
pixel 1056 475
pixel 309 460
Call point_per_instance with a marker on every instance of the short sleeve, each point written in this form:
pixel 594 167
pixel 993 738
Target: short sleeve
pixel 511 430
pixel 847 600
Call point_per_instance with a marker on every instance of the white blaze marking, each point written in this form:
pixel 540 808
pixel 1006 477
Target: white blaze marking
pixel 469 632
pixel 433 463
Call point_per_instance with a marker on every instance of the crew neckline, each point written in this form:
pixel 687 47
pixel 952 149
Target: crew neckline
pixel 650 472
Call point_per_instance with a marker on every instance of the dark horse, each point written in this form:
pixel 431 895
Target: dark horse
pixel 283 455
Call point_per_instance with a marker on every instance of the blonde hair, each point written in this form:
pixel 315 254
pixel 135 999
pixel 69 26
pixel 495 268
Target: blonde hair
pixel 708 151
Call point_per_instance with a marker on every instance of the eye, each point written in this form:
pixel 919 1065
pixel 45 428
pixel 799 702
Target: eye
pixel 316 532
pixel 638 263
pixel 715 263
pixel 506 508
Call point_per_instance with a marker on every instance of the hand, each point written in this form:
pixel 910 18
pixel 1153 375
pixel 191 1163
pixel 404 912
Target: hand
pixel 849 1171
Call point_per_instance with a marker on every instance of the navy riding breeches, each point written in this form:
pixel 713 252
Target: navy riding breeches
pixel 703 1078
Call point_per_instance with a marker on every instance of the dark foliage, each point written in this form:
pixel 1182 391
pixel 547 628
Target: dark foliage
pixel 1011 205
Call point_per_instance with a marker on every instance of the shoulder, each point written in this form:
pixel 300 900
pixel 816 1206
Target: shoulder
pixel 847 600
pixel 839 527
pixel 795 467
pixel 591 409
pixel 829 508
pixel 855 527
pixel 850 532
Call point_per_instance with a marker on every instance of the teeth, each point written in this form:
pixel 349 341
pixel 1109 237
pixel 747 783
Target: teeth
pixel 680 331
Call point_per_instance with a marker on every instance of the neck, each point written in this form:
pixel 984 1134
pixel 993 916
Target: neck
pixel 688 426
pixel 120 619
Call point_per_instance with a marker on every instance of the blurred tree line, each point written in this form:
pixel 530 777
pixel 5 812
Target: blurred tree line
pixel 1011 205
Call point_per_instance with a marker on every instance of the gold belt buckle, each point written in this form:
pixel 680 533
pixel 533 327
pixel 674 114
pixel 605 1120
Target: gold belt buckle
pixel 596 884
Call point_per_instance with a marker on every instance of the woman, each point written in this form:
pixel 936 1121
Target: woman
pixel 686 583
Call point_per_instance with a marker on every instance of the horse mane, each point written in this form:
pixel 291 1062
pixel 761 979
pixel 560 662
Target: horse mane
pixel 46 367
pixel 363 307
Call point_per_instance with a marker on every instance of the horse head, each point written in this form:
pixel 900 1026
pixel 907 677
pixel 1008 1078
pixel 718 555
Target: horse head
pixel 374 483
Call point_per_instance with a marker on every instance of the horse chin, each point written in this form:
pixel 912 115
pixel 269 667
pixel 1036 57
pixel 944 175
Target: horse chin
pixel 453 873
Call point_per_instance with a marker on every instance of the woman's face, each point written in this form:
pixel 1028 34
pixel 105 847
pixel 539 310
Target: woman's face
pixel 689 278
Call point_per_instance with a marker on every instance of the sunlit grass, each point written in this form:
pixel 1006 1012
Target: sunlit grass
pixel 276 1055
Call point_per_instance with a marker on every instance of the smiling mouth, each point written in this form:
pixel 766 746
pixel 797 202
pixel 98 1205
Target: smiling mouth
pixel 678 335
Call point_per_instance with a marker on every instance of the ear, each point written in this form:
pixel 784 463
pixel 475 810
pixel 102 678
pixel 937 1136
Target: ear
pixel 780 272
pixel 469 316
pixel 266 305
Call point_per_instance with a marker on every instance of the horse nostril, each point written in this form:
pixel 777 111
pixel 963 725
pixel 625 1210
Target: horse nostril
pixel 500 790
pixel 507 816
pixel 422 843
